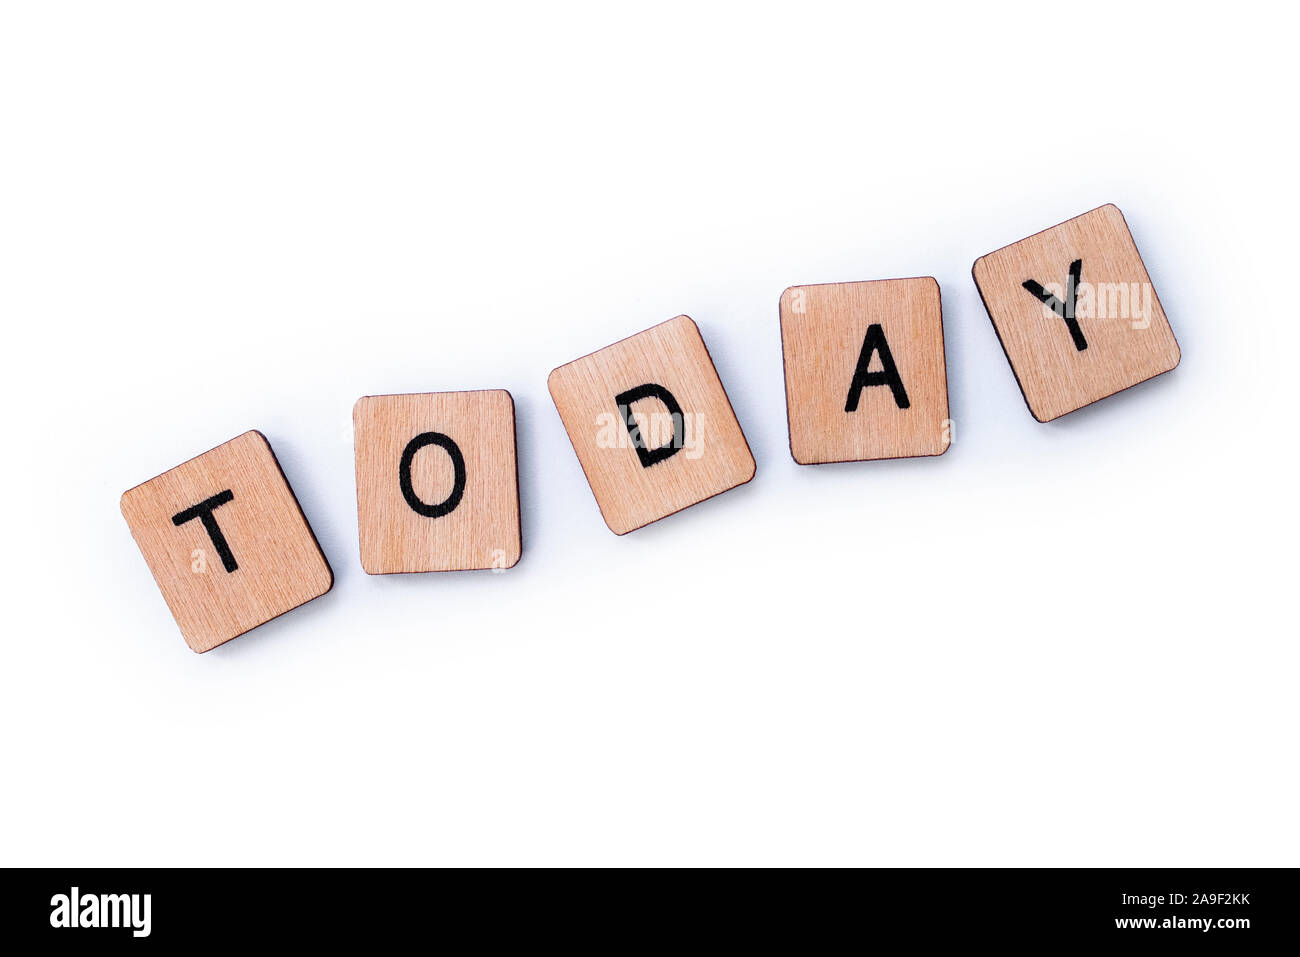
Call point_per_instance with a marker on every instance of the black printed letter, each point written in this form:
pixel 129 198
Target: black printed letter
pixel 203 512
pixel 649 457
pixel 1063 309
pixel 457 464
pixel 873 343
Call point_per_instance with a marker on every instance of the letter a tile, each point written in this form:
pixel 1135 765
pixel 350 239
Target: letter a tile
pixel 226 541
pixel 864 370
pixel 651 425
pixel 437 482
pixel 1076 313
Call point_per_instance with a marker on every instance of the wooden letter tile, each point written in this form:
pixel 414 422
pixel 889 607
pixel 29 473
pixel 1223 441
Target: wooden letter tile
pixel 1076 313
pixel 864 370
pixel 651 425
pixel 226 541
pixel 437 483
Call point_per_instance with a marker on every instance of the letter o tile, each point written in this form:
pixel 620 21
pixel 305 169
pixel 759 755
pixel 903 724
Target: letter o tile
pixel 437 482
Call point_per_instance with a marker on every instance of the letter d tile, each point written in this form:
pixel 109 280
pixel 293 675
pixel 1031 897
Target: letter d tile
pixel 651 425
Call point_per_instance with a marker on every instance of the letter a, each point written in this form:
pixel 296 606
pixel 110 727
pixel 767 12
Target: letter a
pixel 862 376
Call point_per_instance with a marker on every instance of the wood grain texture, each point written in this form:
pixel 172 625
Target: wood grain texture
pixel 1128 338
pixel 483 529
pixel 713 455
pixel 279 563
pixel 823 330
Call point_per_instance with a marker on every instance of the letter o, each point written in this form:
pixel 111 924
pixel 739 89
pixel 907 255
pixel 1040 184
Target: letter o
pixel 457 463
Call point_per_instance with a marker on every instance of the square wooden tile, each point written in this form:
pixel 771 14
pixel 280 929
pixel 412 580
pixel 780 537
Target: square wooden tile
pixel 226 541
pixel 864 370
pixel 651 424
pixel 437 481
pixel 1076 313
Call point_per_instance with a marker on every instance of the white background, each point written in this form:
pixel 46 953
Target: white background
pixel 1057 644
